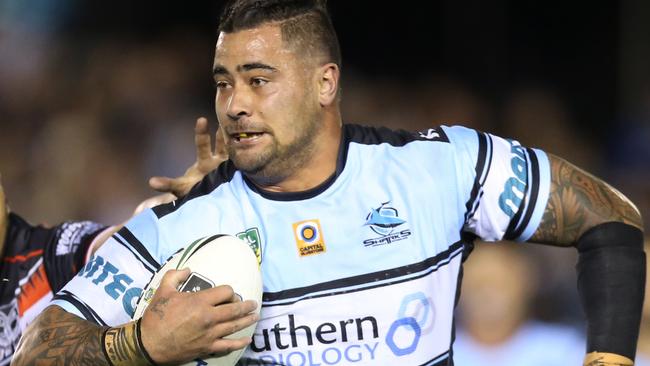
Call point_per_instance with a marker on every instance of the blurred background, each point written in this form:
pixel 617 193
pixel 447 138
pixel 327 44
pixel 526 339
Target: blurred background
pixel 95 97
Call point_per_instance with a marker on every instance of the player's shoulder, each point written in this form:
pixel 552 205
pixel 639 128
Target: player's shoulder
pixel 370 135
pixel 456 136
pixel 374 135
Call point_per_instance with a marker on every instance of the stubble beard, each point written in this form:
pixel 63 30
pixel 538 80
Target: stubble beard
pixel 277 162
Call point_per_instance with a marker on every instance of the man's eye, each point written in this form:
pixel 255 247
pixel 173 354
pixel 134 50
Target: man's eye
pixel 258 82
pixel 221 84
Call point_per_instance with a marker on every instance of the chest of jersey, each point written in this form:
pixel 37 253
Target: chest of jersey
pixel 365 271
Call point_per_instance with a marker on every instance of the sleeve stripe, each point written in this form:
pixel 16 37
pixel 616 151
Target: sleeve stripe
pixel 146 265
pixel 534 191
pixel 84 309
pixel 128 247
pixel 142 253
pixel 518 225
pixel 483 163
pixel 541 189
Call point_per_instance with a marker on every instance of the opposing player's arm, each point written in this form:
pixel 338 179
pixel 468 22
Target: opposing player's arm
pixel 606 228
pixel 577 202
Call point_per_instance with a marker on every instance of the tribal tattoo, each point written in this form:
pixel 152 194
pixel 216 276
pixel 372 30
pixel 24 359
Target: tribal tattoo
pixel 60 338
pixel 577 202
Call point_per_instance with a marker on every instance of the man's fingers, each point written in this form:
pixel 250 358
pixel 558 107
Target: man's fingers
pixel 226 319
pixel 161 184
pixel 223 346
pixel 173 278
pixel 220 151
pixel 220 295
pixel 202 139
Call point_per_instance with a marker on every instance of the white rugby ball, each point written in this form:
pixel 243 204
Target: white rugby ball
pixel 214 261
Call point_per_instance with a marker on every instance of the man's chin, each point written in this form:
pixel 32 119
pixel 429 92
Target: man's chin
pixel 248 165
pixel 261 174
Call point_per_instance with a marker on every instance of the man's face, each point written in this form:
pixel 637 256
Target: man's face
pixel 266 102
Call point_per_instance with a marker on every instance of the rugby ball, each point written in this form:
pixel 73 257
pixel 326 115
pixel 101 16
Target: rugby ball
pixel 213 261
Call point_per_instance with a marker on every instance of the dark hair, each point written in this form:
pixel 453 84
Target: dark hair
pixel 305 24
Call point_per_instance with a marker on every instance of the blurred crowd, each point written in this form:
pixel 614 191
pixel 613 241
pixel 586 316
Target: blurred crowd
pixel 84 121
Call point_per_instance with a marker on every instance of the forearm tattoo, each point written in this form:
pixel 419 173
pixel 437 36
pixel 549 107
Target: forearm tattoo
pixel 123 346
pixel 577 202
pixel 60 338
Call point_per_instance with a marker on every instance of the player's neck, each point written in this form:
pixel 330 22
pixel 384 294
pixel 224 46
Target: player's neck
pixel 318 168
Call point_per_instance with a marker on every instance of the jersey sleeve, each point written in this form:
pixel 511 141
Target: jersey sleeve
pixel 107 288
pixel 509 185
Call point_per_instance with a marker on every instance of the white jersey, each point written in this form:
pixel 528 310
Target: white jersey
pixel 363 269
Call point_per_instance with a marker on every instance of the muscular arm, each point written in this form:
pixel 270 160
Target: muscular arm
pixel 585 212
pixel 577 202
pixel 179 327
pixel 60 338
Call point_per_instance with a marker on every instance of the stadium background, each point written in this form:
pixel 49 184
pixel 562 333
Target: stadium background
pixel 96 97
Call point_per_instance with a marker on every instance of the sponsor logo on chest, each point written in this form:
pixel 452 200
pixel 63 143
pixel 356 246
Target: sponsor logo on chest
pixel 309 237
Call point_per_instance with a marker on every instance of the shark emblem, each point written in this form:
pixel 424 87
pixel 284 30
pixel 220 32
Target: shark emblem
pixel 383 219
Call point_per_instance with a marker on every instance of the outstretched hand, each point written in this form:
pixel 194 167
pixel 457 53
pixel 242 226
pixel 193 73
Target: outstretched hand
pixel 207 160
pixel 180 326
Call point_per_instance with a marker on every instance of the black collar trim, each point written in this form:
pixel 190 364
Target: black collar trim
pixel 313 192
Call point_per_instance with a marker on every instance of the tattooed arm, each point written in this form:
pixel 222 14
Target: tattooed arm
pixel 577 202
pixel 72 341
pixel 611 267
pixel 177 327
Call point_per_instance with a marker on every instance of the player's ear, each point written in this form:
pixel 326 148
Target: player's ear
pixel 328 83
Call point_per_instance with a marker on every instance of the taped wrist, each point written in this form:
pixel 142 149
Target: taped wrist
pixel 611 284
pixel 123 346
pixel 606 359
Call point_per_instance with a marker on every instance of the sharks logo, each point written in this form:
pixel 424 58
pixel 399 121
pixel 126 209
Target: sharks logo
pixel 384 221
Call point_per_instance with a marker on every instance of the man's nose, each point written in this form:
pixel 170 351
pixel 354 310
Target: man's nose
pixel 239 104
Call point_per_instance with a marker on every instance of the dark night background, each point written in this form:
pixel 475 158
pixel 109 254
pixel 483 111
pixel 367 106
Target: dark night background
pixel 570 47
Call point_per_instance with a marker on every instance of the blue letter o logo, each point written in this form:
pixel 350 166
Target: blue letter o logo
pixel 410 322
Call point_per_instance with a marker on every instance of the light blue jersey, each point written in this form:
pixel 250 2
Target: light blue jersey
pixel 363 269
